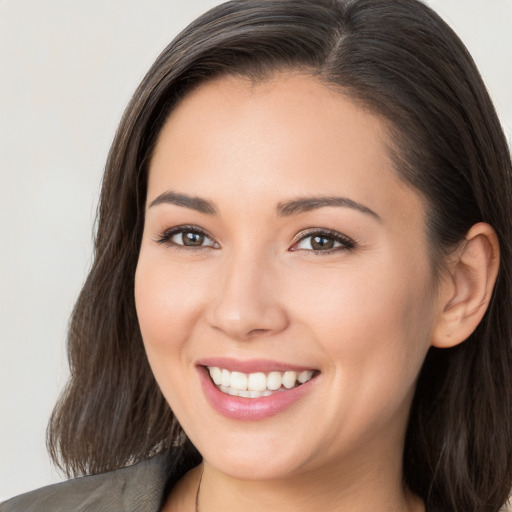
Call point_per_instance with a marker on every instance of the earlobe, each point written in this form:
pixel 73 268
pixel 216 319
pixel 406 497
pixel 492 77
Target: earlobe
pixel 466 290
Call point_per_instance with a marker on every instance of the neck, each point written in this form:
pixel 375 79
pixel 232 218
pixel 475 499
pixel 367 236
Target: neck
pixel 358 490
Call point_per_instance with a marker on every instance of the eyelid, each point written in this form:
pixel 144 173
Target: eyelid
pixel 167 234
pixel 346 242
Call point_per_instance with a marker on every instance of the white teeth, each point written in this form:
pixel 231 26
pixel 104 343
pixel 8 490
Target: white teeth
pixel 238 381
pixel 305 376
pixel 256 385
pixel 274 380
pixel 257 381
pixel 289 379
pixel 216 375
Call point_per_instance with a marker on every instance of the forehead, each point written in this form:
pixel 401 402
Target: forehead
pixel 290 135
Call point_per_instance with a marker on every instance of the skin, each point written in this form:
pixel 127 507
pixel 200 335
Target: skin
pixel 363 314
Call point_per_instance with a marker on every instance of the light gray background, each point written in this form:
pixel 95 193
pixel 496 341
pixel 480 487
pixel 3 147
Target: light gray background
pixel 67 70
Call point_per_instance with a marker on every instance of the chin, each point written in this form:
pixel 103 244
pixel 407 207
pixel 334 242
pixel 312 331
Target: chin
pixel 253 458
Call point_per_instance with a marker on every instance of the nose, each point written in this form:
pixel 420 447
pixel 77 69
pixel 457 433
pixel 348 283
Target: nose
pixel 247 303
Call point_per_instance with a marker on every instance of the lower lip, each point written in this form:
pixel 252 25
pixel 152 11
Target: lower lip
pixel 240 408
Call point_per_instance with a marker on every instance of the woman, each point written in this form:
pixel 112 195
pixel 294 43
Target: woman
pixel 301 292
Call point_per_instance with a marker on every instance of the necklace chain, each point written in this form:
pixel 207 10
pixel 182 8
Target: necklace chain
pixel 196 508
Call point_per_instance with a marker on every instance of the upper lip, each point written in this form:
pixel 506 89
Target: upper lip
pixel 251 366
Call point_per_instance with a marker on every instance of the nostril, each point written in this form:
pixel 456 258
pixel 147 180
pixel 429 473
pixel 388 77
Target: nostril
pixel 256 332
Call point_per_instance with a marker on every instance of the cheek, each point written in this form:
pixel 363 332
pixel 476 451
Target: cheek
pixel 169 304
pixel 354 302
pixel 374 323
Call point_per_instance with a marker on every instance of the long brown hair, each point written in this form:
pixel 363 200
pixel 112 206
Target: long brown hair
pixel 399 60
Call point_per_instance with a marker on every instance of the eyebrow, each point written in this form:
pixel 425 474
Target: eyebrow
pixel 194 203
pixel 307 204
pixel 285 209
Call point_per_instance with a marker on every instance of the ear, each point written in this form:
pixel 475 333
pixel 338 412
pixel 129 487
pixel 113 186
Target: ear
pixel 466 290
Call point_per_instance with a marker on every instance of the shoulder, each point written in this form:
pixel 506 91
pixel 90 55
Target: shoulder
pixel 137 488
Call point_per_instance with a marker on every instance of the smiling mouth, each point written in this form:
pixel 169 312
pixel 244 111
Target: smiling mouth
pixel 259 384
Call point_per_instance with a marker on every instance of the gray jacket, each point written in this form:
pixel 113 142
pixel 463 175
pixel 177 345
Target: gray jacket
pixel 142 487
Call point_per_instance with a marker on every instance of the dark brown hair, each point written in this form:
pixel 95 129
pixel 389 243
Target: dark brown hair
pixel 400 61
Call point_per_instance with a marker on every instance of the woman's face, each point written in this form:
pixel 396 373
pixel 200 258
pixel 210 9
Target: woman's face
pixel 279 246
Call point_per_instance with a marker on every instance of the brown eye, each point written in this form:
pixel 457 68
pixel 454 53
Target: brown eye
pixel 187 237
pixel 321 243
pixel 192 239
pixel 324 242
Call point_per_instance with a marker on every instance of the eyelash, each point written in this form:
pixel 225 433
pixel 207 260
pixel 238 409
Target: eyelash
pixel 166 236
pixel 346 243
